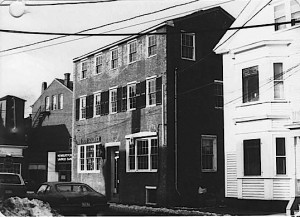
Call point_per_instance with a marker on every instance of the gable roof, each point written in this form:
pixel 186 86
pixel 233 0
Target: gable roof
pixel 59 81
pixel 252 8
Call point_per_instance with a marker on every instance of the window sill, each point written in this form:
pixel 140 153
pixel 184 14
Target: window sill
pixel 89 171
pixel 184 58
pixel 153 55
pixel 141 171
pixel 262 102
pixel 209 171
pixel 149 106
pixel 129 63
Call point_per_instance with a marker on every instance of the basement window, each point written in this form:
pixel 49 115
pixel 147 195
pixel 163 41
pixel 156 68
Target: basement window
pixel 151 198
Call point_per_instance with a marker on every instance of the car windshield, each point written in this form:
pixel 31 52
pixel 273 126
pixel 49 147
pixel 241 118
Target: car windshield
pixel 10 179
pixel 72 188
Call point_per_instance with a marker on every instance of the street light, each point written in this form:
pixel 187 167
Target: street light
pixel 16 8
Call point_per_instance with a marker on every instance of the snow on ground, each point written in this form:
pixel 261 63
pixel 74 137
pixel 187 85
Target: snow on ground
pixel 16 206
pixel 146 210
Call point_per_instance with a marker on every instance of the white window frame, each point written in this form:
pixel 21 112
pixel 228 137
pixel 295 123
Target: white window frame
pixel 113 104
pixel 147 188
pixel 47 103
pixel 83 69
pixel 60 101
pixel 215 161
pixel 277 81
pixel 129 85
pixel 134 53
pixel 295 12
pixel 275 137
pixel 193 47
pixel 116 59
pixel 134 141
pixel 54 102
pixel 148 81
pixel 82 100
pixel 98 64
pixel 287 14
pixel 96 95
pixel 96 169
pixel 154 45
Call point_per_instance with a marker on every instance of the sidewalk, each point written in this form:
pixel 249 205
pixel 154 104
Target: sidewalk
pixel 184 211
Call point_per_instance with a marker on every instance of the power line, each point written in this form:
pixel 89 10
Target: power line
pixel 112 23
pixel 74 2
pixel 105 25
pixel 141 34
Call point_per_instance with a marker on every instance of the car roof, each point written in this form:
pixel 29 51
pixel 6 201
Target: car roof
pixel 5 173
pixel 55 183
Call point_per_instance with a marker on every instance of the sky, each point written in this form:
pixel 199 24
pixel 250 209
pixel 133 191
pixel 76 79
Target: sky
pixel 22 70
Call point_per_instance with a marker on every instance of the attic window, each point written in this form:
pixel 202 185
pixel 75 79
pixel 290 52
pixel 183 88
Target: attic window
pixel 279 16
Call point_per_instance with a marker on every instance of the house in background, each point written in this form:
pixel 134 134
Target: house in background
pixel 12 135
pixel 148 121
pixel 262 104
pixel 49 153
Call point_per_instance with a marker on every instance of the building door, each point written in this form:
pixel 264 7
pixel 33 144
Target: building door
pixel 114 174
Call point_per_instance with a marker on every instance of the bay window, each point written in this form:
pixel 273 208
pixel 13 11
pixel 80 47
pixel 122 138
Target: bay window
pixel 142 155
pixel 250 84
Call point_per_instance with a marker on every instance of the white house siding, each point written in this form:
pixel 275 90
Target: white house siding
pixel 266 118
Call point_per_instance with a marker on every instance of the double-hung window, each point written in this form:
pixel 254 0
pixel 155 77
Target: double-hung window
pixel 54 102
pixel 250 84
pixel 252 157
pixel 279 17
pixel 280 156
pixel 47 103
pixel 131 96
pixel 89 158
pixel 188 46
pixel 278 81
pixel 208 153
pixel 82 107
pixel 132 48
pixel 99 63
pixel 114 58
pixel 60 101
pixel 151 92
pixel 295 11
pixel 152 45
pixel 97 104
pixel 143 155
pixel 113 100
pixel 83 70
pixel 218 94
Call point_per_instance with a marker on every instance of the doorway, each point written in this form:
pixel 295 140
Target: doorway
pixel 114 174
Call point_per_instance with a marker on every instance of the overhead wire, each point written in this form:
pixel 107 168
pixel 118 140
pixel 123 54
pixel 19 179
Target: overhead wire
pixel 112 23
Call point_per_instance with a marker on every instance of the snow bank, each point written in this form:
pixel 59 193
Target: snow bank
pixel 158 211
pixel 16 206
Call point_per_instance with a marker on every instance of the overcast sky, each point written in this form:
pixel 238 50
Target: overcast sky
pixel 23 70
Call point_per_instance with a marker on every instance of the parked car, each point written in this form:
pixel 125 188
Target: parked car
pixel 71 197
pixel 11 185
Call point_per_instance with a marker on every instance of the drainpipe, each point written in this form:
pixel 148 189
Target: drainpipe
pixel 162 115
pixel 176 136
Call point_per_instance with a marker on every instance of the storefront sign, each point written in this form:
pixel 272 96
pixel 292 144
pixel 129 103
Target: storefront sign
pixel 63 157
pixel 89 140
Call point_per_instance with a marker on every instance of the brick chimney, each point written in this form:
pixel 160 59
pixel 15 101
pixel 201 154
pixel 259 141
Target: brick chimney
pixel 44 86
pixel 67 80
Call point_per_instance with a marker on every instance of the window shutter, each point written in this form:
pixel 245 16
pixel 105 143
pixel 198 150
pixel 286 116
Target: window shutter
pixel 124 98
pixel 141 94
pixel 89 106
pixel 104 103
pixel 77 109
pixel 158 90
pixel 119 99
